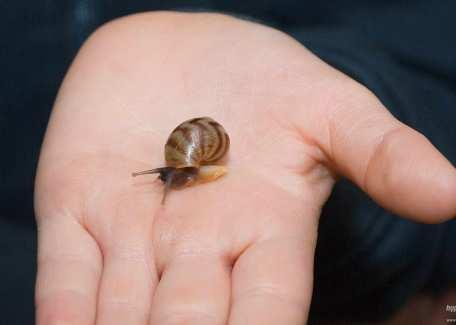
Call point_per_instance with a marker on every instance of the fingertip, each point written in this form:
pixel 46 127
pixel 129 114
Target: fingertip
pixel 409 176
pixel 445 195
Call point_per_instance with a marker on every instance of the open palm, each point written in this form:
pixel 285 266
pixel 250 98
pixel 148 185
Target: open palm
pixel 235 251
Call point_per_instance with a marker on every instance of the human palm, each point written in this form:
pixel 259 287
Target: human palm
pixel 238 250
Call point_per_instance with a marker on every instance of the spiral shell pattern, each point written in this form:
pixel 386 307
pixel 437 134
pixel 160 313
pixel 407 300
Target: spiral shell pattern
pixel 196 142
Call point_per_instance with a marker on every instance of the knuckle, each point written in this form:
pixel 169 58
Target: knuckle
pixel 379 159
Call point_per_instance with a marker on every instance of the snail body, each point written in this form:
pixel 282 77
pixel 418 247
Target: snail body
pixel 191 151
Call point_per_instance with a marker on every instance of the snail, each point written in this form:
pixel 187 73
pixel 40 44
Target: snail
pixel 191 151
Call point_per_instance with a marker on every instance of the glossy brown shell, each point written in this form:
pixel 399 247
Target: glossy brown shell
pixel 196 142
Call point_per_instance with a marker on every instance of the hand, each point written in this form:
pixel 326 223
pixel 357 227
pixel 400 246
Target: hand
pixel 238 250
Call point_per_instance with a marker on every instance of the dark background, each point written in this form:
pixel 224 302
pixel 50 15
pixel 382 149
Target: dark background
pixel 368 261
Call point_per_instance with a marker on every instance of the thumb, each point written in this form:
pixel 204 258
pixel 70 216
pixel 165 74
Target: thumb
pixel 396 165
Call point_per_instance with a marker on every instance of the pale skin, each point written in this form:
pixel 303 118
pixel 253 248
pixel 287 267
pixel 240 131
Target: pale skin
pixel 238 250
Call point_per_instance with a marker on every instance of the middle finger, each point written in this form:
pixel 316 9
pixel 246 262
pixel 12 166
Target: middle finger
pixel 193 289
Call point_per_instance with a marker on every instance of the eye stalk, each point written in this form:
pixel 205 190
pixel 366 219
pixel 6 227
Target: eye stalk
pixel 181 177
pixel 173 177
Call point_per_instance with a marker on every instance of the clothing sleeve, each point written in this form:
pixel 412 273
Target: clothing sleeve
pixel 368 261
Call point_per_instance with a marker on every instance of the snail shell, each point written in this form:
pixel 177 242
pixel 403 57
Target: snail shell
pixel 190 153
pixel 196 142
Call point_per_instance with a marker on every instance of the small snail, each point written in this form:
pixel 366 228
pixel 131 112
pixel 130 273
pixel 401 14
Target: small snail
pixel 190 153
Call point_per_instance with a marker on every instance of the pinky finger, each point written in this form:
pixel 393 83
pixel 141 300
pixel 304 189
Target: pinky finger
pixel 69 267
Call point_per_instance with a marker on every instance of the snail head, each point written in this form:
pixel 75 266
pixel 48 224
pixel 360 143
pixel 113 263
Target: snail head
pixel 173 177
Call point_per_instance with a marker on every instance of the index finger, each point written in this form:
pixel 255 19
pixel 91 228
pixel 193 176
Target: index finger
pixel 272 282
